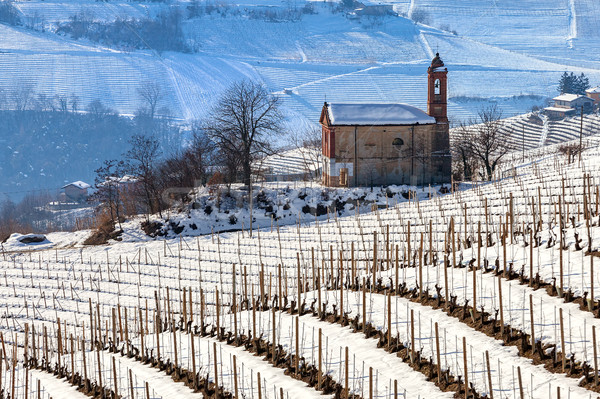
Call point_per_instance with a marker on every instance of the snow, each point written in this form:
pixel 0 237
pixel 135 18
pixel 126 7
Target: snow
pixel 593 90
pixel 568 97
pixel 79 184
pixel 376 114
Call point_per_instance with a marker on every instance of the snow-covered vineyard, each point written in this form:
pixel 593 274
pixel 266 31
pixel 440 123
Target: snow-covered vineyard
pixel 533 130
pixel 476 293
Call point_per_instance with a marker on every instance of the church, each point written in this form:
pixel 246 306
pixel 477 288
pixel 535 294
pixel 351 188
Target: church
pixel 385 144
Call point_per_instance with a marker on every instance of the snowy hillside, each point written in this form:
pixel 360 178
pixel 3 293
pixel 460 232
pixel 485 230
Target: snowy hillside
pixel 492 288
pixel 520 47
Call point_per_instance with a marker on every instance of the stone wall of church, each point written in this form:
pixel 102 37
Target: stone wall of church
pixel 385 155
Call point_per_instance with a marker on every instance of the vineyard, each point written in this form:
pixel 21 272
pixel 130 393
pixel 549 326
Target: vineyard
pixel 488 291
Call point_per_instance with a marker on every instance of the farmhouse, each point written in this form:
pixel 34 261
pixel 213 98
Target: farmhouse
pixel 568 105
pixel 76 191
pixel 594 94
pixel 384 144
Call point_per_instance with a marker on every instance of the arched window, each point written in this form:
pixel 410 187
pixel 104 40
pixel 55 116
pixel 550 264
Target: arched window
pixel 398 142
pixel 436 87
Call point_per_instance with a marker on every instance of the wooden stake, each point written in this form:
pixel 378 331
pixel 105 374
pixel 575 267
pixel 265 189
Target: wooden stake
pixel 595 356
pixel 501 307
pixel 489 373
pixel 465 365
pixel 532 324
pixel 562 339
pixel 437 350
pixel 521 394
pixel 217 373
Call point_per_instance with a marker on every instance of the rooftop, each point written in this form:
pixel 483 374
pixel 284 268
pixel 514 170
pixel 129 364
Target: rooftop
pixel 376 114
pixel 568 97
pixel 79 184
pixel 593 90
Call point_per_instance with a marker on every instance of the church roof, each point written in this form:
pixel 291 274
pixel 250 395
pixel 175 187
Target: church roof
pixel 376 114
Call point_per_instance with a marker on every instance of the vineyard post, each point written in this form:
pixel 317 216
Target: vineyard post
pixel 312 259
pixel 389 319
pixel 560 246
pixel 421 269
pixel 512 218
pixel 297 357
pixel 489 373
pixel 465 368
pixel 397 265
pixel 194 361
pixel 412 336
pixel 396 389
pixel 501 307
pixel 175 342
pixel 531 257
pixel 13 369
pixel 114 328
pixel 475 269
pixel 83 355
pixel 59 342
pixel 280 288
pixel 453 238
pixel 521 393
pixel 437 350
pixel 408 244
pixel 184 301
pixel 217 373
pixel 274 346
pixel 374 271
pixel 346 385
pixel 341 288
pixel 202 309
pixel 99 366
pixel 592 303
pixel 319 371
pixel 235 324
pixel 370 382
pixel 114 367
pixel 72 358
pixel 158 328
pixel 120 323
pixel 158 318
pixel 430 242
pixel 253 314
pixel 532 324
pixel 218 314
pixel 364 306
pixel 259 383
pixel 503 236
pixel 191 307
pixel 131 391
pixel 147 391
pixel 562 338
pixel 235 378
pixel 595 356
pixel 299 283
pixel 352 261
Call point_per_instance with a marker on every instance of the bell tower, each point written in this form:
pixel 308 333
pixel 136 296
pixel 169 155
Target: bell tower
pixel 437 90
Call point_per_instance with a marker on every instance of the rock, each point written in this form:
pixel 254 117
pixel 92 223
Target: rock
pixel 32 238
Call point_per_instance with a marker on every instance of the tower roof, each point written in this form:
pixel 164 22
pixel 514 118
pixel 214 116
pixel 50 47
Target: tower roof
pixel 437 61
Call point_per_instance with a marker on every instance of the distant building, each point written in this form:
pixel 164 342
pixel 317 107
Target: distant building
pixel 374 8
pixel 568 105
pixel 384 144
pixel 594 94
pixel 76 191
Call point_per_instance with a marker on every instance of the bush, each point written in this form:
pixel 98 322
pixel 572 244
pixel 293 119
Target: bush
pixel 233 219
pixel 421 15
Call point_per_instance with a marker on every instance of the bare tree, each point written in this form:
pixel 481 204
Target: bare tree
pixel 22 96
pixel 108 191
pixel 243 123
pixel 141 161
pixel 308 144
pixel 483 140
pixel 151 94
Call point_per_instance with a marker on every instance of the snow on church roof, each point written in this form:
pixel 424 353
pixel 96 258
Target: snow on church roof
pixel 376 114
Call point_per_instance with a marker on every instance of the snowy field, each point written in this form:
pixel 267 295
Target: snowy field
pixel 411 273
pixel 521 47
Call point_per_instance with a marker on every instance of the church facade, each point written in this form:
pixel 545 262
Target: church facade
pixel 384 144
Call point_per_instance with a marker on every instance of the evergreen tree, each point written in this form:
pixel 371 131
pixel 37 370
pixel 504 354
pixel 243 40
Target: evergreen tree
pixel 573 84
